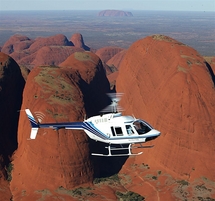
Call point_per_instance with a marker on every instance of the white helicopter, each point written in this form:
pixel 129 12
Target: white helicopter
pixel 111 128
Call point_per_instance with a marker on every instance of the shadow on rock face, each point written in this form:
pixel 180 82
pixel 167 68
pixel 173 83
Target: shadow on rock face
pixel 211 72
pixel 106 166
pixel 11 88
pixel 94 103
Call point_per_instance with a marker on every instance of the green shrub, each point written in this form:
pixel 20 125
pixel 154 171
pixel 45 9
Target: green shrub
pixel 111 179
pixel 129 196
pixel 183 182
pixel 9 171
pixel 154 177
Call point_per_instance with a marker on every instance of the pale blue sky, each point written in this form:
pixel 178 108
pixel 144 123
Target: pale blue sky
pixel 181 5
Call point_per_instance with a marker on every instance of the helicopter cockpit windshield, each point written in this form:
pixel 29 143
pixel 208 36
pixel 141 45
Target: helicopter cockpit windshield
pixel 141 127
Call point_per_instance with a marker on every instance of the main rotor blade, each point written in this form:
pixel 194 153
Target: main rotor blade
pixel 113 107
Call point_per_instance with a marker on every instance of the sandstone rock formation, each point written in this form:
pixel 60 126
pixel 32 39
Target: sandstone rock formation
pixel 211 62
pixel 57 40
pixel 115 60
pixel 164 82
pixel 106 53
pixel 78 41
pixel 113 64
pixel 91 78
pixel 41 51
pixel 11 87
pixel 58 159
pixel 169 85
pixel 112 79
pixel 53 55
pixel 115 13
pixel 25 71
pixel 16 43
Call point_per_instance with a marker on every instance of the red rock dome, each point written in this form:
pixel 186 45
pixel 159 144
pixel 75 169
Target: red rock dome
pixel 78 41
pixel 168 84
pixel 57 158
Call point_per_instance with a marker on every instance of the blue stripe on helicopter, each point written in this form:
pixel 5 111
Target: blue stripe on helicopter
pixel 91 128
pixel 69 125
pixel 32 120
pixel 76 125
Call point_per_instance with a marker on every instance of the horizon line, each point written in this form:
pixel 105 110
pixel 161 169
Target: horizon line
pixel 112 9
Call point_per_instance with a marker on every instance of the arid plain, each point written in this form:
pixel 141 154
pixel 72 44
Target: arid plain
pixel 196 29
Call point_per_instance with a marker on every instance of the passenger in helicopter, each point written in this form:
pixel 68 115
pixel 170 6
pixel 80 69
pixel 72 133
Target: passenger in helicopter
pixel 129 130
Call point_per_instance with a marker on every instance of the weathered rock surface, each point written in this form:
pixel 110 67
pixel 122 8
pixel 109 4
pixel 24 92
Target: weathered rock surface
pixel 105 54
pixel 57 40
pixel 11 88
pixel 53 55
pixel 78 41
pixel 16 43
pixel 211 62
pixel 115 13
pixel 91 79
pixel 114 61
pixel 164 82
pixel 113 64
pixel 112 79
pixel 57 159
pixel 41 51
pixel 169 85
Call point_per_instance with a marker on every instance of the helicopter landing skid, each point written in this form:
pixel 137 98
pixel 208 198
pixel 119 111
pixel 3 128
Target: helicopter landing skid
pixel 141 146
pixel 116 149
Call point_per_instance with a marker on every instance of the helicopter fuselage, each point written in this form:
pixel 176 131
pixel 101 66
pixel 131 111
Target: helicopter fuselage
pixel 114 128
pixel 111 128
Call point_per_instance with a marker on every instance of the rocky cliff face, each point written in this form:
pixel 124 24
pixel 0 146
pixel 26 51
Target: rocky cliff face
pixel 105 54
pixel 115 60
pixel 57 158
pixel 11 88
pixel 169 85
pixel 114 63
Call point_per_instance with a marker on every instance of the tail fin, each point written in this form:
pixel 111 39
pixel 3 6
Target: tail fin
pixel 34 124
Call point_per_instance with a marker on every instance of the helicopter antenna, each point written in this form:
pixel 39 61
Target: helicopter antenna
pixel 114 107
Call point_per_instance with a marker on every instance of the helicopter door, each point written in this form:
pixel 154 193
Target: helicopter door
pixel 116 131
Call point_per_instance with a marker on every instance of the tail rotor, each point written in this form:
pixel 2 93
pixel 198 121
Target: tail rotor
pixel 34 124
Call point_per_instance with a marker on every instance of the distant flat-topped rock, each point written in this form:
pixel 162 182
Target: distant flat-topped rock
pixel 115 13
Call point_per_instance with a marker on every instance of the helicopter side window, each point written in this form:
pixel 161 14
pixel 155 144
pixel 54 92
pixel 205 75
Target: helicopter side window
pixel 129 129
pixel 118 131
